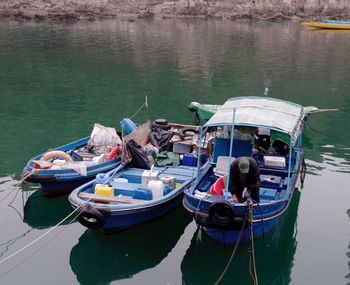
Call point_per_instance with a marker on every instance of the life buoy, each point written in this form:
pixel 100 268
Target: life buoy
pixel 56 153
pixel 90 217
pixel 114 153
pixel 221 213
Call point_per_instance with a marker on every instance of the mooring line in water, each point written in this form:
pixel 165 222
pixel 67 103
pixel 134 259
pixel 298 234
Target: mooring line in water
pixel 12 241
pixel 251 237
pixel 18 185
pixel 46 233
pixel 233 253
pixel 35 252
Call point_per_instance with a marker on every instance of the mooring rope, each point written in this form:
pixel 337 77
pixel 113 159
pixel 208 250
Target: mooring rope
pixel 233 253
pixel 252 251
pixel 18 185
pixel 35 252
pixel 53 228
pixel 144 104
pixel 12 241
pixel 50 230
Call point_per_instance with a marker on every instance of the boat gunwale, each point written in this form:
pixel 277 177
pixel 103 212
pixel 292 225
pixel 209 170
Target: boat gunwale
pixel 76 201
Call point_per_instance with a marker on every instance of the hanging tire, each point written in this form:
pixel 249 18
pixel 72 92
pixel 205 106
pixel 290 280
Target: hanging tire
pixel 188 132
pixel 91 217
pixel 221 213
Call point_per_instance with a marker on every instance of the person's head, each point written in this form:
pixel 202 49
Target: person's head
pixel 243 165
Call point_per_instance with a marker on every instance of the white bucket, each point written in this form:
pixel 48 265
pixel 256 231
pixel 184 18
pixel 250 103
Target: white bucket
pixel 157 188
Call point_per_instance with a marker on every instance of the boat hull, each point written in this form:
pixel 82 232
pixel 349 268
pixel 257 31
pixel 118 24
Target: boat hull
pixel 119 221
pixel 264 215
pixel 328 25
pixel 230 237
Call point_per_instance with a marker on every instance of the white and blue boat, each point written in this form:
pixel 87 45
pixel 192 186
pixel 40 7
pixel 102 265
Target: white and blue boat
pixel 121 198
pixel 246 126
pixel 76 167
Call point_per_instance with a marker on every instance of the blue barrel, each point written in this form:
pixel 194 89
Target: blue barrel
pixel 127 125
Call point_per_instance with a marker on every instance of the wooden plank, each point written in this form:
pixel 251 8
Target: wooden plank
pixel 103 198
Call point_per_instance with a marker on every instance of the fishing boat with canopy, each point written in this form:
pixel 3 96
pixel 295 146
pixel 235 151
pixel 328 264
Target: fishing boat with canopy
pixel 269 130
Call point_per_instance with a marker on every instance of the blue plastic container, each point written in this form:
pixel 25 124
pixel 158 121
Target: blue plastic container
pixel 190 159
pixel 166 189
pixel 142 194
pixel 127 125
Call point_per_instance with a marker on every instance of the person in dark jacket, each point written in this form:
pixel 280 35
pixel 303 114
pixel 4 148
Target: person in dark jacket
pixel 244 173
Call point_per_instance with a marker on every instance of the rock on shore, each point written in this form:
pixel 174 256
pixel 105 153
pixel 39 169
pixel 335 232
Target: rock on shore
pixel 221 9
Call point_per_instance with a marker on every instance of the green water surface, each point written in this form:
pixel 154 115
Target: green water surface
pixel 58 79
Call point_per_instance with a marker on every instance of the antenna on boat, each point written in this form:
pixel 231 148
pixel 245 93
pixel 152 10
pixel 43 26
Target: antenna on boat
pixel 266 91
pixel 146 104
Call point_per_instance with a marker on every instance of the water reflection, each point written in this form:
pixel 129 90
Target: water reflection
pixel 42 212
pixel 348 254
pixel 100 259
pixel 273 264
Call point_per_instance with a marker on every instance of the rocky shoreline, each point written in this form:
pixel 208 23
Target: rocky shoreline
pixel 272 10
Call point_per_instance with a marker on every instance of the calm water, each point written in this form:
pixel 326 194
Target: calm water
pixel 57 80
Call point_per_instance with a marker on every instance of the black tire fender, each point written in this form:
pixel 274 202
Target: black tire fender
pixel 188 131
pixel 91 217
pixel 222 213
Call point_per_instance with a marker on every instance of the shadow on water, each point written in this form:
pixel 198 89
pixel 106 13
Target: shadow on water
pixel 100 258
pixel 206 259
pixel 42 212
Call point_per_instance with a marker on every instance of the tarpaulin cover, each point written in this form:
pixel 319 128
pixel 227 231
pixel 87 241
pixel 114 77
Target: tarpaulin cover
pixel 161 139
pixel 261 111
pixel 165 158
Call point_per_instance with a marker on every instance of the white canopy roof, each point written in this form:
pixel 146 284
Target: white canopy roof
pixel 260 111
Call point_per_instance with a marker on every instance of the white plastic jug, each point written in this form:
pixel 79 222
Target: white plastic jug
pixel 157 188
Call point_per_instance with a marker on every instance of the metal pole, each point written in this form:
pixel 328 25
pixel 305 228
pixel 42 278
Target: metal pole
pixel 290 160
pixel 231 146
pixel 146 103
pixel 199 152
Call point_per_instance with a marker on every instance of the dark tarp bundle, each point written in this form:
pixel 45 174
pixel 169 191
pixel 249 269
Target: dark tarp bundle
pixel 165 158
pixel 140 135
pixel 138 155
pixel 161 139
pixel 161 135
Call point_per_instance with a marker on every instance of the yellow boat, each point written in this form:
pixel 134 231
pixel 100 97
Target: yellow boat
pixel 328 25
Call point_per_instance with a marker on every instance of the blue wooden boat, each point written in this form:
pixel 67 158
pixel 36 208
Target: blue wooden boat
pixel 255 121
pixel 125 201
pixel 55 180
